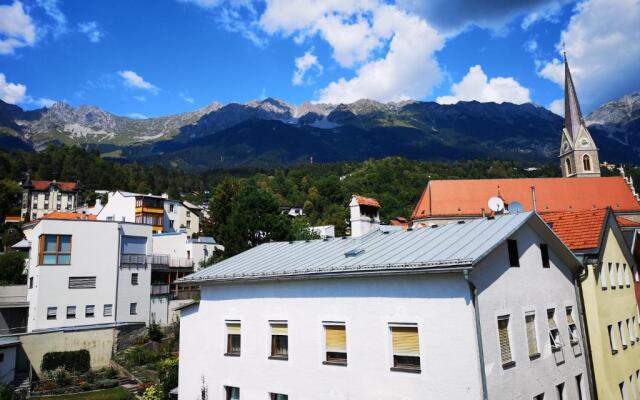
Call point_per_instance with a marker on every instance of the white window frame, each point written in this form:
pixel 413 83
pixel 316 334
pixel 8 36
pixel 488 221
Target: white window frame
pixel 109 308
pixel 604 271
pixel 612 276
pixel 556 342
pixel 52 312
pixel 623 337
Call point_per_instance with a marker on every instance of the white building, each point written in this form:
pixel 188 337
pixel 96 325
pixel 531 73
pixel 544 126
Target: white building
pixel 42 197
pixel 87 272
pixel 451 312
pixel 134 207
pixel 181 215
pixel 324 231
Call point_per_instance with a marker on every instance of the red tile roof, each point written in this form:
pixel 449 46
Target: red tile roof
pixel 64 186
pixel 459 198
pixel 68 215
pixel 579 230
pixel 367 201
pixel 12 218
pixel 627 223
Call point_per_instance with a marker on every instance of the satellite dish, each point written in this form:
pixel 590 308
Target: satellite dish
pixel 516 207
pixel 496 204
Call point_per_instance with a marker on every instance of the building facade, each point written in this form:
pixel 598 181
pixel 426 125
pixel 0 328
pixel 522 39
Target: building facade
pixel 42 197
pixel 388 315
pixel 181 215
pixel 87 272
pixel 137 208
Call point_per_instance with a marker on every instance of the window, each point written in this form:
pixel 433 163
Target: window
pixel 52 312
pixel 568 164
pixel 573 330
pixel 134 278
pixel 108 310
pixel 612 339
pixel 560 391
pixel 279 340
pixel 1 357
pixel 277 396
pixel 554 333
pixel 55 249
pixel 634 326
pixel 514 259
pixel 170 207
pixel 232 393
pixel 406 348
pixel 623 337
pixel 579 387
pixel 71 312
pixel 629 328
pixel 532 340
pixel 603 276
pixel 82 282
pixel 233 338
pixel 627 276
pixel 188 224
pixel 170 223
pixel 632 387
pixel 188 213
pixel 620 275
pixel 586 162
pixel 335 344
pixel 541 395
pixel 31 282
pixel 133 245
pixel 612 276
pixel 636 277
pixel 188 254
pixel 89 311
pixel 624 395
pixel 544 253
pixel 133 308
pixel 503 336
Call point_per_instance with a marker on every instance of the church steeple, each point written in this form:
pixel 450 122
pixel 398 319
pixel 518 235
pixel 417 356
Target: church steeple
pixel 578 151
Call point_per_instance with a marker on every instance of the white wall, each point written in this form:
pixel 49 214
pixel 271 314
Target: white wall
pixel 95 249
pixel 159 310
pixel 515 291
pixel 119 208
pixel 8 365
pixel 439 304
pixel 180 218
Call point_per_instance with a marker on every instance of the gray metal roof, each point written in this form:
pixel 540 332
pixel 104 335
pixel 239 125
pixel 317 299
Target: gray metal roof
pixel 447 246
pixel 23 244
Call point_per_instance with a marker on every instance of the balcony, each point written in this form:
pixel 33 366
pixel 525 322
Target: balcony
pixel 133 260
pixel 167 262
pixel 159 289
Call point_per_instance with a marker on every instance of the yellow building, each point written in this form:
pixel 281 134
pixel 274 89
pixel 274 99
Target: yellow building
pixel 609 302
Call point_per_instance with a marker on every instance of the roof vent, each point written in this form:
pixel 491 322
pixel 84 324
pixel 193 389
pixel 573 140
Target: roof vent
pixel 344 237
pixel 460 222
pixel 354 252
pixel 434 226
pixel 409 229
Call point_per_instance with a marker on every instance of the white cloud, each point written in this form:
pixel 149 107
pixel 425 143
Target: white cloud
pixel 603 48
pixel 303 65
pixel 137 116
pixel 52 9
pixel 531 46
pixel 12 93
pixel 187 98
pixel 134 80
pixel 549 12
pixel 141 99
pixel 16 28
pixel 557 106
pixel 476 86
pixel 92 30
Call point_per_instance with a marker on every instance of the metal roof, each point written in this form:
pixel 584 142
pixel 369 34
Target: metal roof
pixel 445 247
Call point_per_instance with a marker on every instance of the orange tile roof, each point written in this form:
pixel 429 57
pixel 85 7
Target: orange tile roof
pixel 64 186
pixel 468 197
pixel 12 218
pixel 69 215
pixel 367 201
pixel 627 223
pixel 579 230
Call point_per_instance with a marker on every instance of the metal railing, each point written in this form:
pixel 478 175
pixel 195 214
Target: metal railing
pixel 133 260
pixel 160 289
pixel 157 261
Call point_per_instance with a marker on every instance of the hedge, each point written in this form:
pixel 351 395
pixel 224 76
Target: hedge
pixel 77 361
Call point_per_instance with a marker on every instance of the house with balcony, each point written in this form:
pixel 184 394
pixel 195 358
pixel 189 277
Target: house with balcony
pixel 136 208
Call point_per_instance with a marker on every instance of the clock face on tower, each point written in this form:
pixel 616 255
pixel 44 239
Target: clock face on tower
pixel 584 142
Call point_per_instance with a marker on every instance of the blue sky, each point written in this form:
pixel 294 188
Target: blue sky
pixel 150 58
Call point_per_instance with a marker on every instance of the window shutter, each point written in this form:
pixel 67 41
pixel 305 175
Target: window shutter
pixel 279 329
pixel 503 333
pixel 552 321
pixel 570 316
pixel 336 338
pixel 108 310
pixel 532 341
pixel 82 282
pixel 51 311
pixel 233 328
pixel 603 276
pixel 405 341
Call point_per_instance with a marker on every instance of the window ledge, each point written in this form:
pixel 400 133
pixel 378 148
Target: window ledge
pixel 232 354
pixel 337 363
pixel 534 356
pixel 577 342
pixel 555 349
pixel 406 369
pixel 281 358
pixel 614 351
pixel 508 364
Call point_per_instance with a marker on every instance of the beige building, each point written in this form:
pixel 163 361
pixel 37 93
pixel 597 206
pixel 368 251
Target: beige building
pixel 42 197
pixel 181 215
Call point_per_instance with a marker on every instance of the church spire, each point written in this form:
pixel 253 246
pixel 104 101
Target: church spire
pixel 572 114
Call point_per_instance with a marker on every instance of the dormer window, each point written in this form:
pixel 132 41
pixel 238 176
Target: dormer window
pixel 586 162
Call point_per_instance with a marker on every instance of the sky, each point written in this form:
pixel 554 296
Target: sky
pixel 157 57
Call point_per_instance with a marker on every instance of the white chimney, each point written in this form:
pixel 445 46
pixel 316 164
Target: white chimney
pixel 365 215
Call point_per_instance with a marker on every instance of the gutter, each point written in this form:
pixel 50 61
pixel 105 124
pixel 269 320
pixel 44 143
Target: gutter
pixel 579 277
pixel 476 309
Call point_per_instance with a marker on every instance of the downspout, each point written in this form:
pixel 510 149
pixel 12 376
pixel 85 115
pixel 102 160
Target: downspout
pixel 474 298
pixel 580 277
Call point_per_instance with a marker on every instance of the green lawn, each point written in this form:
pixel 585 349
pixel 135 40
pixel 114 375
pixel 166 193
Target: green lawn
pixel 116 393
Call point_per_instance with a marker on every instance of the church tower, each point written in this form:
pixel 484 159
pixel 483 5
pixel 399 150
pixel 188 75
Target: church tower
pixel 578 151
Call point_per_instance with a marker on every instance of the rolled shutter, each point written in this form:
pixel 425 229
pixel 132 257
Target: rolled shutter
pixel 531 334
pixel 279 329
pixel 552 321
pixel 405 341
pixel 233 328
pixel 503 333
pixel 336 338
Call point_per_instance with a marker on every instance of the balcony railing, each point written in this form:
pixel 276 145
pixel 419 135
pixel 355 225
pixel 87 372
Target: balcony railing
pixel 156 261
pixel 160 289
pixel 133 260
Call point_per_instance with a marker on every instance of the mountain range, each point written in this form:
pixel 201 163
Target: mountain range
pixel 272 132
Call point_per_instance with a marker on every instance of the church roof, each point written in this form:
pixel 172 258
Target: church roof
pixel 572 114
pixel 579 230
pixel 468 198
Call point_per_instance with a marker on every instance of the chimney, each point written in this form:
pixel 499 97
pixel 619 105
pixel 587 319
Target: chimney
pixel 365 215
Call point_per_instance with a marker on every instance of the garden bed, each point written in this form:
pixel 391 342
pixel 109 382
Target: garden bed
pixel 117 393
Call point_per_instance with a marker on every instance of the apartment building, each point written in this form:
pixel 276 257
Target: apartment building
pixel 134 207
pixel 87 272
pixel 484 309
pixel 42 197
pixel 608 292
pixel 181 215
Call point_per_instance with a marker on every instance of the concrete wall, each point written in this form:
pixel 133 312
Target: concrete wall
pixel 608 306
pixel 159 309
pixel 514 291
pixel 8 364
pixel 439 305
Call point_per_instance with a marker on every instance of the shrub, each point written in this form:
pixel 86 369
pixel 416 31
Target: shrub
pixel 77 361
pixel 60 376
pixel 91 376
pixel 107 383
pixel 168 373
pixel 155 333
pixel 154 392
pixel 85 387
pixel 141 355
